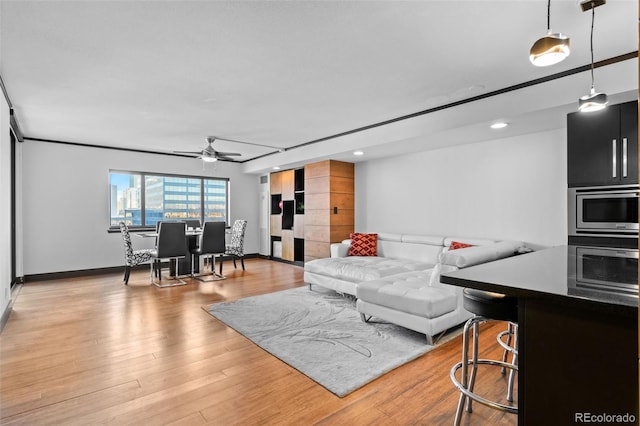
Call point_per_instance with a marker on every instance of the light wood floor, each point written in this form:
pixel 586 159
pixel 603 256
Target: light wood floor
pixel 93 351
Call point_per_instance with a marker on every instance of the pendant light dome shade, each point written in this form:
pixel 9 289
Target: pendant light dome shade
pixel 549 50
pixel 592 102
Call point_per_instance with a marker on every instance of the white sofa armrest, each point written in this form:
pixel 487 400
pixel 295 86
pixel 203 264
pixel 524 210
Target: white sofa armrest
pixel 476 255
pixel 339 249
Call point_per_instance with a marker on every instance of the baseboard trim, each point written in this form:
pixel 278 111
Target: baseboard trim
pixel 74 274
pixel 7 312
pixel 289 262
pixel 99 271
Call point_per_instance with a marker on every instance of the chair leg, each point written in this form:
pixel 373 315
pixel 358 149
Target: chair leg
pixel 127 272
pixel 242 262
pixel 234 262
pixel 221 262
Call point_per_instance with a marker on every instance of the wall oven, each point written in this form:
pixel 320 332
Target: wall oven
pixel 604 211
pixel 603 271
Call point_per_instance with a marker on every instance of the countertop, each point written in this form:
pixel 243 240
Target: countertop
pixel 548 273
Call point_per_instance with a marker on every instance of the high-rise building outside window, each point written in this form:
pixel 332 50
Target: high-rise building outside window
pixel 143 199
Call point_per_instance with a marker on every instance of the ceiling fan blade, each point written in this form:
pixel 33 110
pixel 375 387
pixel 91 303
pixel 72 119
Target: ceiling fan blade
pixel 229 154
pixel 188 152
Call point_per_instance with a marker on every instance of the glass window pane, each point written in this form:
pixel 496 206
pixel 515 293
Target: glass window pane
pixel 215 200
pixel 171 198
pixel 124 197
pixel 165 198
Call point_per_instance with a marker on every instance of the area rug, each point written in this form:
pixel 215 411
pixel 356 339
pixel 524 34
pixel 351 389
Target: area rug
pixel 319 333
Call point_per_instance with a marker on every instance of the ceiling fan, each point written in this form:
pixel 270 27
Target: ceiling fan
pixel 209 154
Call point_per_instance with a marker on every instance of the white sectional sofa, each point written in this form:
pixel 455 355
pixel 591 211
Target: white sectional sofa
pixel 402 283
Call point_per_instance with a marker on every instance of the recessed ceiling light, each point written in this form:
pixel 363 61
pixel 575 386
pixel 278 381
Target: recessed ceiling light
pixel 358 152
pixel 499 125
pixel 276 167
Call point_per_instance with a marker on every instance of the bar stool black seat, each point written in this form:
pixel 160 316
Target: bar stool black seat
pixel 486 306
pixel 495 306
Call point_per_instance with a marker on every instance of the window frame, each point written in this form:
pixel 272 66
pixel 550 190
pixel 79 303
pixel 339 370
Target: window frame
pixel 143 175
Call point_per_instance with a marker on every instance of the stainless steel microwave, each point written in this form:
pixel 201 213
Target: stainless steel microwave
pixel 604 211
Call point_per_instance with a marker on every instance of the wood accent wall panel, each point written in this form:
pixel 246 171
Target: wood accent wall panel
pixel 316 250
pixel 288 185
pixel 283 186
pixel 276 225
pixel 328 184
pixel 287 245
pixel 298 226
pixel 276 183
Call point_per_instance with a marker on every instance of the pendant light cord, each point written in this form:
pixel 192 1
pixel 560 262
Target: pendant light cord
pixel 549 16
pixel 593 18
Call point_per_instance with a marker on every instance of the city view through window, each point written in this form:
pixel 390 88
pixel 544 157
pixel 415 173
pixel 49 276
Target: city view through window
pixel 143 199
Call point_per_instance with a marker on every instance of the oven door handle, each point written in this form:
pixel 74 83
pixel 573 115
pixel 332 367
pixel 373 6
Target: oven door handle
pixel 624 157
pixel 614 160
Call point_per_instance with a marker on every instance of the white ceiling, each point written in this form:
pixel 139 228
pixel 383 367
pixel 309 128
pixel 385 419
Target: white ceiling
pixel 163 75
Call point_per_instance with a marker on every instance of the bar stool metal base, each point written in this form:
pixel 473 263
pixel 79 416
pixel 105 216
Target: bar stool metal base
pixel 510 346
pixel 466 385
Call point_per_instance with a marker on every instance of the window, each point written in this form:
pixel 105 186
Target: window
pixel 143 199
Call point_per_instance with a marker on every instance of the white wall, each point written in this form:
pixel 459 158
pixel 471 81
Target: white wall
pixel 65 203
pixel 5 206
pixel 506 189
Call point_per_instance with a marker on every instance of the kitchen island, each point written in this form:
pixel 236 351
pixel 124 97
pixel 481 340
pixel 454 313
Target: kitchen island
pixel 578 336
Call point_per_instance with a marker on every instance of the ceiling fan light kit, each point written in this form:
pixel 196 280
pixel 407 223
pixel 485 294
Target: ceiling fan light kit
pixel 208 158
pixel 550 49
pixel 209 154
pixel 593 101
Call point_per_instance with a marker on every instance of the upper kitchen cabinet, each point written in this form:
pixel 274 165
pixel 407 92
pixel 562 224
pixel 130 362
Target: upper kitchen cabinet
pixel 603 146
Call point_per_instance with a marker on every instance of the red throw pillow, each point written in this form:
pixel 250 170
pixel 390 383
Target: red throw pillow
pixel 363 244
pixel 455 245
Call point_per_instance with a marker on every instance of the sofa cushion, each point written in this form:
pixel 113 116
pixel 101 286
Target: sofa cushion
pixel 467 240
pixel 363 244
pixel 432 240
pixel 363 268
pixel 419 252
pixel 480 254
pixel 409 292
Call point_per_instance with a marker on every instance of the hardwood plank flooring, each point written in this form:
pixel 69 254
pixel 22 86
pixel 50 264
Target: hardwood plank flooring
pixel 91 350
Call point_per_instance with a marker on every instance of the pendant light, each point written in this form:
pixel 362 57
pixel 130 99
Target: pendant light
pixel 593 101
pixel 550 49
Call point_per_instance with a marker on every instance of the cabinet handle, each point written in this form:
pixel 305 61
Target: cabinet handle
pixel 624 157
pixel 614 160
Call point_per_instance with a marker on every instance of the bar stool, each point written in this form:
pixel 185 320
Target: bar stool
pixel 486 306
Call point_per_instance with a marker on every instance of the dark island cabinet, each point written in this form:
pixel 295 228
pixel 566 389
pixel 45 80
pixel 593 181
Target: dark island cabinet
pixel 602 146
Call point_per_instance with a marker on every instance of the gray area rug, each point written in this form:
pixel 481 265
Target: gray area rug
pixel 320 334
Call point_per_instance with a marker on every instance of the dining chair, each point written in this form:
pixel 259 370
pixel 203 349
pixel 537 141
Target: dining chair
pixel 236 247
pixel 212 242
pixel 171 245
pixel 132 257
